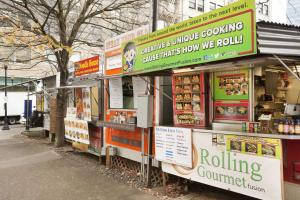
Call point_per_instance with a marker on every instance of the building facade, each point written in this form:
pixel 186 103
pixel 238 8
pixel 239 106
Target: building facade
pixel 173 11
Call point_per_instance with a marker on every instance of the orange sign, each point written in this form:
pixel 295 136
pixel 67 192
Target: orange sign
pixel 87 66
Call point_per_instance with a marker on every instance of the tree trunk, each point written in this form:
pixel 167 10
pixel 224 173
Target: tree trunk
pixel 60 115
pixel 62 96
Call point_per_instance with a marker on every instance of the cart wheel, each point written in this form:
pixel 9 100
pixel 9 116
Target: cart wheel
pixel 12 120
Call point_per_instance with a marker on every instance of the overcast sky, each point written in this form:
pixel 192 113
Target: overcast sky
pixel 294 11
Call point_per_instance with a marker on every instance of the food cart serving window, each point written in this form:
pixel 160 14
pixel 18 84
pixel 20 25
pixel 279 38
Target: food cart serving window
pixel 83 110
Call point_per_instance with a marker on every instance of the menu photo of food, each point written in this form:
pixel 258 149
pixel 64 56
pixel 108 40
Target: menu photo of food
pixel 251 147
pixel 196 106
pixel 187 89
pixel 268 150
pixel 236 145
pixel 178 89
pixel 196 88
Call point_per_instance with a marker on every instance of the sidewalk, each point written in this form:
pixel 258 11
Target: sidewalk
pixel 32 169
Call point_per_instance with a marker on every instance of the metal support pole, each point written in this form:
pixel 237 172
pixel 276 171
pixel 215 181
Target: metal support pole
pixel 149 154
pixel 149 159
pixel 143 154
pixel 5 126
pixel 27 108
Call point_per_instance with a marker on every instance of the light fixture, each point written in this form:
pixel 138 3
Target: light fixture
pixel 182 70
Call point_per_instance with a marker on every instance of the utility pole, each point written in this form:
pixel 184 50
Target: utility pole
pixel 154 15
pixel 27 108
pixel 5 126
pixel 150 131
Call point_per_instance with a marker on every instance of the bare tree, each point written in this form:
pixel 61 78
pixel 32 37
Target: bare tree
pixel 58 26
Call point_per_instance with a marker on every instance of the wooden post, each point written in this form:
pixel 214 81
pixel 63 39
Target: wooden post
pixel 164 178
pixel 108 159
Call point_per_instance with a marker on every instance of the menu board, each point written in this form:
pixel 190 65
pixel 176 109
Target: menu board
pixel 87 113
pixel 232 110
pixel 115 93
pixel 231 85
pixel 77 130
pixel 188 98
pixel 173 145
pixel 231 95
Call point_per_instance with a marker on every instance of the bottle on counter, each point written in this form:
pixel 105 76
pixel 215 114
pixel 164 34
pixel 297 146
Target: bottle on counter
pixel 292 127
pixel 286 127
pixel 280 127
pixel 297 127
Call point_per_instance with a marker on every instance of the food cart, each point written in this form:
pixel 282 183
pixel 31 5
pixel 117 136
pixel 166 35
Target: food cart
pixel 83 106
pixel 234 86
pixel 120 100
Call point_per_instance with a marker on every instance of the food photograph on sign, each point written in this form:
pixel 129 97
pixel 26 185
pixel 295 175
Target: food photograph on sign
pixel 255 146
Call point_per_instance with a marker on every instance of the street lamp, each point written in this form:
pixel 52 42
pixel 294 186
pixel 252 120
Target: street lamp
pixel 5 126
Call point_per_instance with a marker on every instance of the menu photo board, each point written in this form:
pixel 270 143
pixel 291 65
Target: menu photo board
pixel 77 130
pixel 231 85
pixel 231 110
pixel 188 99
pixel 173 145
pixel 224 33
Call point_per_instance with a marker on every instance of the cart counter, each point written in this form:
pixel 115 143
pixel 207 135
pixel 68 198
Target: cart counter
pixel 242 162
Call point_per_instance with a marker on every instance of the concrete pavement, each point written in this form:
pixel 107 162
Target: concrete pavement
pixel 31 169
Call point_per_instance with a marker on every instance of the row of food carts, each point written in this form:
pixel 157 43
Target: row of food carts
pixel 215 99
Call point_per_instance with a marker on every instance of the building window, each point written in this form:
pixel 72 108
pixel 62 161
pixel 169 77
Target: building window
pixel 201 6
pixel 192 4
pixel 263 8
pixel 212 6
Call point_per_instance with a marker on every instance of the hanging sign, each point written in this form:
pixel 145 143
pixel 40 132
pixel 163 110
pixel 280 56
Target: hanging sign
pixel 246 165
pixel 224 33
pixel 112 48
pixel 87 66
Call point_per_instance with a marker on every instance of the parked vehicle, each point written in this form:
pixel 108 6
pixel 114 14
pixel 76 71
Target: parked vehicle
pixel 16 105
